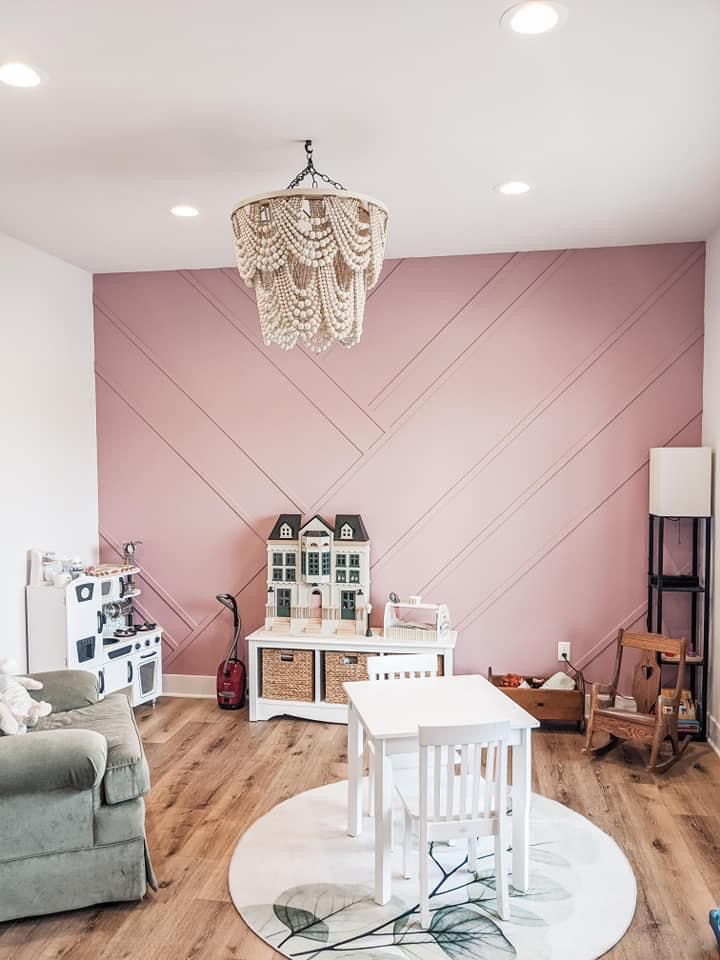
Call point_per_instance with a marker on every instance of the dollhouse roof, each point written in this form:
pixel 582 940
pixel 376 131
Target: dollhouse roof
pixel 317 530
pixel 355 521
pixel 293 520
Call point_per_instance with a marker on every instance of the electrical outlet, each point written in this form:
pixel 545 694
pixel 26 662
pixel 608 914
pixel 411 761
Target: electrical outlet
pixel 563 651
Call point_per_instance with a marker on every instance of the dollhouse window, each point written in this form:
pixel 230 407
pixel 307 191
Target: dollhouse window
pixel 290 559
pixel 277 559
pixel 290 573
pixel 313 564
pixel 285 531
pixel 354 559
pixel 340 560
pixel 341 576
pixel 346 532
pixel 354 576
pixel 277 573
pixel 326 564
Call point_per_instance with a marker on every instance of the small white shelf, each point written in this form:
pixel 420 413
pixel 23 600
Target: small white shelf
pixel 264 708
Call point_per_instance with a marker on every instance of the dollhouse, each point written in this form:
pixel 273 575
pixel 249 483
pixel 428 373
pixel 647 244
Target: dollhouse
pixel 318 575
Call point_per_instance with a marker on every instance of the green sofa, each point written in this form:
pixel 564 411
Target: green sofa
pixel 72 813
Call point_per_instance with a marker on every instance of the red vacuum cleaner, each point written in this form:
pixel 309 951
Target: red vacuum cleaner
pixel 231 675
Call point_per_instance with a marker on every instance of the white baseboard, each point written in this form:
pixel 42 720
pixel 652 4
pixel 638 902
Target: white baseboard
pixel 187 685
pixel 713 733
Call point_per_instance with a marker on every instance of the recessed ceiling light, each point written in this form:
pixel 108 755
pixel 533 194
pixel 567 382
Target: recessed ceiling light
pixel 182 210
pixel 513 188
pixel 534 17
pixel 19 75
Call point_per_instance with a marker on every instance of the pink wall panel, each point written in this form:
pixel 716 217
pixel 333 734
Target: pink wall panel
pixel 492 427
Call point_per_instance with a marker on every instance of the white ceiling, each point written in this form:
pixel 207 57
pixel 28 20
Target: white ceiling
pixel 615 120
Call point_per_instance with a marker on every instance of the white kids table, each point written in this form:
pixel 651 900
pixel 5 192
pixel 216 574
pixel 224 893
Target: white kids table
pixel 389 713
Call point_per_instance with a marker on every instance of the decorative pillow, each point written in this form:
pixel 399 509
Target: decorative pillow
pixel 18 710
pixel 559 681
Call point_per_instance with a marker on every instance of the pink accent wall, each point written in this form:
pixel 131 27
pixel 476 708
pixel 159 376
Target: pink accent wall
pixel 492 427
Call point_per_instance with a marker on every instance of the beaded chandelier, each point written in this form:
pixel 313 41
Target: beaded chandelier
pixel 311 253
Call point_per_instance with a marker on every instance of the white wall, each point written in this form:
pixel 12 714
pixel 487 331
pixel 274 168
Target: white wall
pixel 48 472
pixel 711 438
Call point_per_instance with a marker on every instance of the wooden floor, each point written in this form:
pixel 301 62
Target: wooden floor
pixel 214 774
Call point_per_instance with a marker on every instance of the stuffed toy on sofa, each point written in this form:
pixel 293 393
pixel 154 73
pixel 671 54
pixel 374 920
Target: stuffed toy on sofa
pixel 18 710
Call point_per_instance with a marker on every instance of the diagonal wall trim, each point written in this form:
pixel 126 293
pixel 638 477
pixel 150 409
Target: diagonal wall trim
pixel 205 623
pixel 435 385
pixel 227 499
pixel 507 311
pixel 145 350
pixel 545 404
pixel 156 587
pixel 265 351
pixel 696 254
pixel 514 419
pixel 555 469
pixel 609 639
pixel 196 628
pixel 544 552
pixel 402 373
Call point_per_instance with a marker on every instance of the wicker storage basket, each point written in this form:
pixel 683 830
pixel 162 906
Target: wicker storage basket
pixel 342 665
pixel 288 675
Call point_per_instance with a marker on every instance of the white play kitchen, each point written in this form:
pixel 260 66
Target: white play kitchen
pixel 85 618
pixel 316 634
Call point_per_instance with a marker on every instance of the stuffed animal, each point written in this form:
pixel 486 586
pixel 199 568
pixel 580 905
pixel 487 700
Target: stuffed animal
pixel 18 710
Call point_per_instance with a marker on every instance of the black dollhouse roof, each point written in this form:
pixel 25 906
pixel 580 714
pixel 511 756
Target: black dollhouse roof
pixel 355 521
pixel 293 520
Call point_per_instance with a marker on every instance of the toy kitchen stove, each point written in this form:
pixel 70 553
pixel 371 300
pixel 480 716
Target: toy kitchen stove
pixel 89 622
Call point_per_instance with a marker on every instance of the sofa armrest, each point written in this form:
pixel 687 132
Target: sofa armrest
pixel 52 760
pixel 66 689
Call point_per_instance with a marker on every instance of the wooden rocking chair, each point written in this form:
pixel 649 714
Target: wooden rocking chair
pixel 656 719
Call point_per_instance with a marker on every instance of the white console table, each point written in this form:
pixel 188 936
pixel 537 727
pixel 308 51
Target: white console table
pixel 319 709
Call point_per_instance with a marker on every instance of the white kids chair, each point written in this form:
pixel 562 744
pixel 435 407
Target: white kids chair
pixel 401 666
pixel 441 804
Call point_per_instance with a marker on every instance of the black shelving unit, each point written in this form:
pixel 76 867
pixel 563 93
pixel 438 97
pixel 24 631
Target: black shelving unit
pixel 696 585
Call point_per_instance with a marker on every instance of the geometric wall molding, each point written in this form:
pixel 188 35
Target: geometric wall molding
pixel 492 426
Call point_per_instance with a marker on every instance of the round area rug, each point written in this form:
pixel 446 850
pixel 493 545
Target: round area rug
pixel 304 886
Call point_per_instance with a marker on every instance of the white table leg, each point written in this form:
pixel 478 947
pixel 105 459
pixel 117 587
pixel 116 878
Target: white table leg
pixel 383 824
pixel 522 785
pixel 355 772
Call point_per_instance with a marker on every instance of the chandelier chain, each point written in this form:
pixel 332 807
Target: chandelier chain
pixel 310 171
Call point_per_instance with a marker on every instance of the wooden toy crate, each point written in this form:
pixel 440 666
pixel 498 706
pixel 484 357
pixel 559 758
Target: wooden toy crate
pixel 288 674
pixel 342 666
pixel 561 706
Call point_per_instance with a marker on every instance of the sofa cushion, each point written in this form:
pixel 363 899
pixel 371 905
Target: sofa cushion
pixel 66 689
pixel 126 773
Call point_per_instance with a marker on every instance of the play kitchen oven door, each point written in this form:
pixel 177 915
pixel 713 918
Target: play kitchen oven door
pixel 147 676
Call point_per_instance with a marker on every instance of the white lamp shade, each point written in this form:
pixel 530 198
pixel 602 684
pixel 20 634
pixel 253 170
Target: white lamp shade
pixel 680 481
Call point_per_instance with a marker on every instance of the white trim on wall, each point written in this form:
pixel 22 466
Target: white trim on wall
pixel 197 687
pixel 713 733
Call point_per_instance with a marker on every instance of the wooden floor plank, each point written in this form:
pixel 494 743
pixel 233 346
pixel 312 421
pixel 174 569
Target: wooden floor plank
pixel 214 774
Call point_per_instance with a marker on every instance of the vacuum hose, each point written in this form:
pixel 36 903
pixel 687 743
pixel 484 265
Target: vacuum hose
pixel 229 601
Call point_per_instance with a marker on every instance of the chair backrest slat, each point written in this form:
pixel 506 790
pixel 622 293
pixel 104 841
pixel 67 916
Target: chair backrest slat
pixel 476 764
pixel 464 770
pixel 437 779
pixel 449 781
pixel 653 641
pixel 445 795
pixel 403 666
